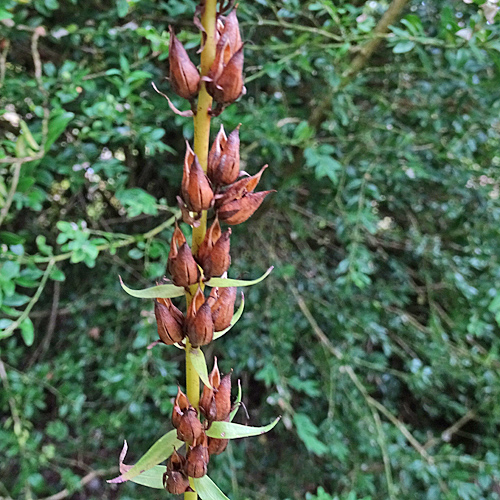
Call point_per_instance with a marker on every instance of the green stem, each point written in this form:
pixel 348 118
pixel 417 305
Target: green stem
pixel 201 147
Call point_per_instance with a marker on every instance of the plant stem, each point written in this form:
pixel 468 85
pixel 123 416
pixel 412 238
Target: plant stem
pixel 201 146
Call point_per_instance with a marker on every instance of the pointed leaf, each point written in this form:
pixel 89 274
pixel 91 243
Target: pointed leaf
pixel 228 430
pixel 236 403
pixel 152 478
pixel 155 292
pixel 159 452
pixel 234 319
pixel 208 490
pixel 199 364
pixel 225 282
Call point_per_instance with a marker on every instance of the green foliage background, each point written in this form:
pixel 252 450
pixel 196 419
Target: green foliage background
pixel 376 337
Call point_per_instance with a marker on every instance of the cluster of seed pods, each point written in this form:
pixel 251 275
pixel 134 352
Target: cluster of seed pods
pixel 227 194
pixel 215 405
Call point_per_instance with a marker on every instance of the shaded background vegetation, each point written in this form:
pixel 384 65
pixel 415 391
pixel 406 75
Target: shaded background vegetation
pixel 376 337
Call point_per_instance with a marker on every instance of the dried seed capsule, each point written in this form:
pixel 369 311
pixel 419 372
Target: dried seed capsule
pixel 219 260
pixel 212 235
pixel 215 153
pixel 177 483
pixel 200 326
pixel 229 85
pixel 197 458
pixel 181 404
pixel 170 329
pixel 184 76
pixel 196 189
pixel 183 267
pixel 238 211
pixel 176 462
pixel 216 446
pixel 239 188
pixel 223 308
pixel 232 31
pixel 223 398
pixel 189 426
pixel 228 168
pixel 207 400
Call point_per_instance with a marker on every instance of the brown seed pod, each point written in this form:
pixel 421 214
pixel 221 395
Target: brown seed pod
pixel 197 458
pixel 170 329
pixel 196 189
pixel 223 308
pixel 223 398
pixel 238 211
pixel 181 404
pixel 207 400
pixel 176 483
pixel 239 188
pixel 184 76
pixel 211 236
pixel 215 153
pixel 228 168
pixel 217 446
pixel 183 267
pixel 229 85
pixel 200 326
pixel 189 426
pixel 232 31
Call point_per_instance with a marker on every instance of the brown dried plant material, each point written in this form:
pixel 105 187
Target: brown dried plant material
pixel 181 404
pixel 175 480
pixel 207 401
pixel 199 323
pixel 238 211
pixel 223 308
pixel 189 427
pixel 227 169
pixel 213 254
pixel 232 31
pixel 184 76
pixel 217 446
pixel 196 189
pixel 170 327
pixel 197 458
pixel 183 267
pixel 214 156
pixel 223 398
pixel 239 188
pixel 229 85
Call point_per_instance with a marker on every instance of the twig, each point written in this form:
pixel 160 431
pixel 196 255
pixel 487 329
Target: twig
pixel 299 27
pixel 448 433
pixel 347 369
pixel 44 345
pixel 12 191
pixel 84 481
pixel 389 17
pixel 3 61
pixel 32 302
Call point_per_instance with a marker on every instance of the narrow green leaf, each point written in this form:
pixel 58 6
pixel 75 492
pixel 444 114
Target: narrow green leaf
pixel 122 8
pixel 228 430
pixel 236 405
pixel 27 331
pixel 155 292
pixel 199 364
pixel 152 478
pixel 208 490
pixel 57 126
pixel 234 319
pixel 28 135
pixel 403 47
pixel 159 452
pixel 225 282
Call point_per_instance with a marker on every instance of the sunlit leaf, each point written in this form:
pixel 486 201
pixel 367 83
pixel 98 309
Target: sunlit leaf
pixel 159 452
pixel 225 282
pixel 228 430
pixel 199 364
pixel 167 291
pixel 208 490
pixel 152 478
